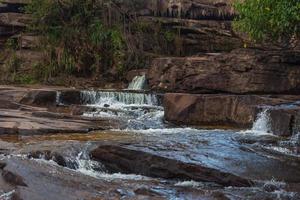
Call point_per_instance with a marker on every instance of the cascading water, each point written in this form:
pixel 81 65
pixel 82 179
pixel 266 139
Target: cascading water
pixel 262 122
pixel 139 109
pixel 261 125
pixel 100 98
pixel 138 83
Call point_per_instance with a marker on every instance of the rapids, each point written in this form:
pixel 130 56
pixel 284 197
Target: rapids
pixel 270 162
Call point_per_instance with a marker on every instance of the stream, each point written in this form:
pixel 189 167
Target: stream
pixel 270 162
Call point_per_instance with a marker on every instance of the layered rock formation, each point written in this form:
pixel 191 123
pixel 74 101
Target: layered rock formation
pixel 242 71
pixel 29 111
pixel 156 28
pixel 240 111
pixel 12 19
pixel 115 158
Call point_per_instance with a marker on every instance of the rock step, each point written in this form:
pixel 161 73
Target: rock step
pixel 233 111
pixel 119 159
pixel 242 71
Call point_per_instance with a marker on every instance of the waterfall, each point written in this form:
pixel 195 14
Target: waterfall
pixel 57 99
pixel 101 98
pixel 138 83
pixel 138 110
pixel 262 123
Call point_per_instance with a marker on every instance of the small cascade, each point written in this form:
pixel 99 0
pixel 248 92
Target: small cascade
pixel 111 97
pixel 138 83
pixel 261 125
pixel 58 98
pixel 262 122
pixel 138 110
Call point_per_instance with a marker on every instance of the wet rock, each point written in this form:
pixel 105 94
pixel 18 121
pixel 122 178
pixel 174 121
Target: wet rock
pixel 49 155
pixel 146 192
pixel 241 71
pixel 124 160
pixel 238 111
pixel 13 178
pixel 133 73
pixel 2 165
pixel 283 121
pixel 58 183
pixel 218 110
pixel 25 123
pixel 71 97
pixel 252 139
pixel 40 98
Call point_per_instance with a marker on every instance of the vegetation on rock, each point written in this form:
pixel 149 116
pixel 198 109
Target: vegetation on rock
pixel 76 36
pixel 268 19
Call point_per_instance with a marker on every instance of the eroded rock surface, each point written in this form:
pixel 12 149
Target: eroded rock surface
pixel 30 111
pixel 242 71
pixel 118 159
pixel 239 111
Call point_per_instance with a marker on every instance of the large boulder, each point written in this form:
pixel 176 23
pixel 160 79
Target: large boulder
pixel 243 71
pixel 124 160
pixel 238 111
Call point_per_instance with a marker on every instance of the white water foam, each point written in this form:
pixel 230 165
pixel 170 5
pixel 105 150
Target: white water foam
pixel 139 110
pixel 262 125
pixel 7 196
pixel 100 98
pixel 57 99
pixel 87 166
pixel 192 184
pixel 138 83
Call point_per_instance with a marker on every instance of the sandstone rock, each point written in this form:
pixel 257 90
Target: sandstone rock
pixel 70 97
pixel 12 178
pixel 207 110
pixel 242 71
pixel 14 19
pixel 186 37
pixel 283 121
pixel 40 98
pixel 197 9
pixel 26 123
pixel 133 73
pixel 124 160
pixel 239 111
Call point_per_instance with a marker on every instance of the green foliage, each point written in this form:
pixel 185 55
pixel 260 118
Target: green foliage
pixel 13 64
pixel 12 44
pixel 76 38
pixel 169 35
pixel 25 79
pixel 268 19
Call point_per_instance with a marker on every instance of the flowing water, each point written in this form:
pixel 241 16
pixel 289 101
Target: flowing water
pixel 138 83
pixel 145 130
pixel 261 125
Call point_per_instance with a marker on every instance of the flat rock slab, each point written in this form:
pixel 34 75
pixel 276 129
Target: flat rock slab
pixel 43 180
pixel 22 122
pixel 119 159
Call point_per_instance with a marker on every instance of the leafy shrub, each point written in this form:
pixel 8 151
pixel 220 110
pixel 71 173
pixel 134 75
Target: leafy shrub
pixel 273 19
